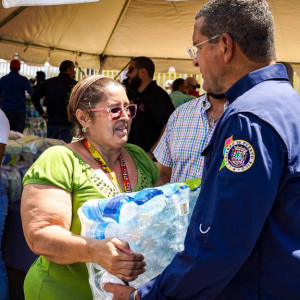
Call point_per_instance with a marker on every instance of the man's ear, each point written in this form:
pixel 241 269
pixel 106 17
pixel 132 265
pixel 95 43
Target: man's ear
pixel 143 72
pixel 227 44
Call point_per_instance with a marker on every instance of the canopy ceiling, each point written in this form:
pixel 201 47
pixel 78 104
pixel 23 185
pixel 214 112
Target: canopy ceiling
pixel 110 32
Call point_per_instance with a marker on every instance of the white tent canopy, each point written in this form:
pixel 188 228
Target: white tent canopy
pixel 110 32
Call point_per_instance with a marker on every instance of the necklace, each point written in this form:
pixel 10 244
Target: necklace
pixel 211 120
pixel 103 165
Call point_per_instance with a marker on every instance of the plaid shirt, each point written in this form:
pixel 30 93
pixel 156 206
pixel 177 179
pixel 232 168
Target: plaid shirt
pixel 187 134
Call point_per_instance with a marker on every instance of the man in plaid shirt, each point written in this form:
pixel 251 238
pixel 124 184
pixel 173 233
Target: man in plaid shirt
pixel 187 133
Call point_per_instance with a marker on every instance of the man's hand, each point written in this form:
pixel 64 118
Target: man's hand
pixel 121 292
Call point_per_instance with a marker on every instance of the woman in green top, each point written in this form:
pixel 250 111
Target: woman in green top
pixel 99 165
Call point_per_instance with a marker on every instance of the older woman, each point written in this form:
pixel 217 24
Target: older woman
pixel 99 165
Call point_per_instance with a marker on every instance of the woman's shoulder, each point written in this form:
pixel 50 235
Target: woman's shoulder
pixel 134 149
pixel 140 157
pixel 144 164
pixel 59 150
pixel 58 153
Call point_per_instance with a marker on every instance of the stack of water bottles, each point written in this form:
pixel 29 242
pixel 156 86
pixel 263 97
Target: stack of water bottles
pixel 34 124
pixel 153 221
pixel 20 153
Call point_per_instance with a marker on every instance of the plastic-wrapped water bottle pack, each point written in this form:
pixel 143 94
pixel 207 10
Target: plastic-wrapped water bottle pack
pixel 153 221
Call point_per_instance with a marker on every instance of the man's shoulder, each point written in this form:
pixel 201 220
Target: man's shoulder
pixel 3 79
pixel 193 104
pixel 8 76
pixel 188 111
pixel 52 79
pixel 4 76
pixel 62 79
pixel 14 76
pixel 156 89
pixel 24 78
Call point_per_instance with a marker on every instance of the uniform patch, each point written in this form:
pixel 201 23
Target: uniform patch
pixel 239 155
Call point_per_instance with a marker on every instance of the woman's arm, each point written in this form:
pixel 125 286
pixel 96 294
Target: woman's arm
pixel 46 217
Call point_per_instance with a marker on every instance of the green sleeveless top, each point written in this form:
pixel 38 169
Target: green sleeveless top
pixel 62 167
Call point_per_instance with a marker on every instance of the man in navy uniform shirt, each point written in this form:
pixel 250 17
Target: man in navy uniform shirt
pixel 13 88
pixel 243 241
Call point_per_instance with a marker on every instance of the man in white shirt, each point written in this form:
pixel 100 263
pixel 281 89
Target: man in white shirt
pixel 4 133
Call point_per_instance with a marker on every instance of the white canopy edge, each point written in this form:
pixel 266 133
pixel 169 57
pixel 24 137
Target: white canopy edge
pixel 15 3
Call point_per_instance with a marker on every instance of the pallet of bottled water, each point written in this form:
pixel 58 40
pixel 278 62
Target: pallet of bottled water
pixel 153 221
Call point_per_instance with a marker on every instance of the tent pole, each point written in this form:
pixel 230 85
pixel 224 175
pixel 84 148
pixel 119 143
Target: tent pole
pixel 101 60
pixel 12 15
pixel 122 70
pixel 126 4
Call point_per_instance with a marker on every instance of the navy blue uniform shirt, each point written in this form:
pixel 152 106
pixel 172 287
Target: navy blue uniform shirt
pixel 13 87
pixel 243 241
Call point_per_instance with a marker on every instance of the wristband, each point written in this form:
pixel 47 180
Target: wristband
pixel 132 295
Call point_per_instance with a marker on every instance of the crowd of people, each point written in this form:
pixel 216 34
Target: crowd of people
pixel 241 137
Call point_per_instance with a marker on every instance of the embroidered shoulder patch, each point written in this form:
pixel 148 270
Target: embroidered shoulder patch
pixel 239 155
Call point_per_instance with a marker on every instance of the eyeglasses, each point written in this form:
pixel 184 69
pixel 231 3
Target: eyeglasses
pixel 116 112
pixel 193 50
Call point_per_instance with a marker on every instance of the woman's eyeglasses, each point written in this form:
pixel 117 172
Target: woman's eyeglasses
pixel 116 111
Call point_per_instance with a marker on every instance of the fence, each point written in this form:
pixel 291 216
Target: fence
pixel 30 72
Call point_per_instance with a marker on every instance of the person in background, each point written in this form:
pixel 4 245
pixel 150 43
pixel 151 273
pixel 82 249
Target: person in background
pixel 56 92
pixel 13 87
pixel 153 102
pixel 65 177
pixel 168 86
pixel 179 93
pixel 40 78
pixel 4 133
pixel 188 132
pixel 243 238
pixel 32 82
pixel 193 85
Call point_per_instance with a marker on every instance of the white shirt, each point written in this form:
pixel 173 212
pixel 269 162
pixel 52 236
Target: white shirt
pixel 4 128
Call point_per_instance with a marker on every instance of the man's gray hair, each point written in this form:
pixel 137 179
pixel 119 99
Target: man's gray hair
pixel 248 22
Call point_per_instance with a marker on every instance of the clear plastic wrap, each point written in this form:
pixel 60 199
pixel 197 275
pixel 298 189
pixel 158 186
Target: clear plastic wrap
pixel 153 221
pixel 31 143
pixel 12 176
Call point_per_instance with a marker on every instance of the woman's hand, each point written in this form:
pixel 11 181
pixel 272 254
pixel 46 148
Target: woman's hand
pixel 116 257
pixel 46 216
